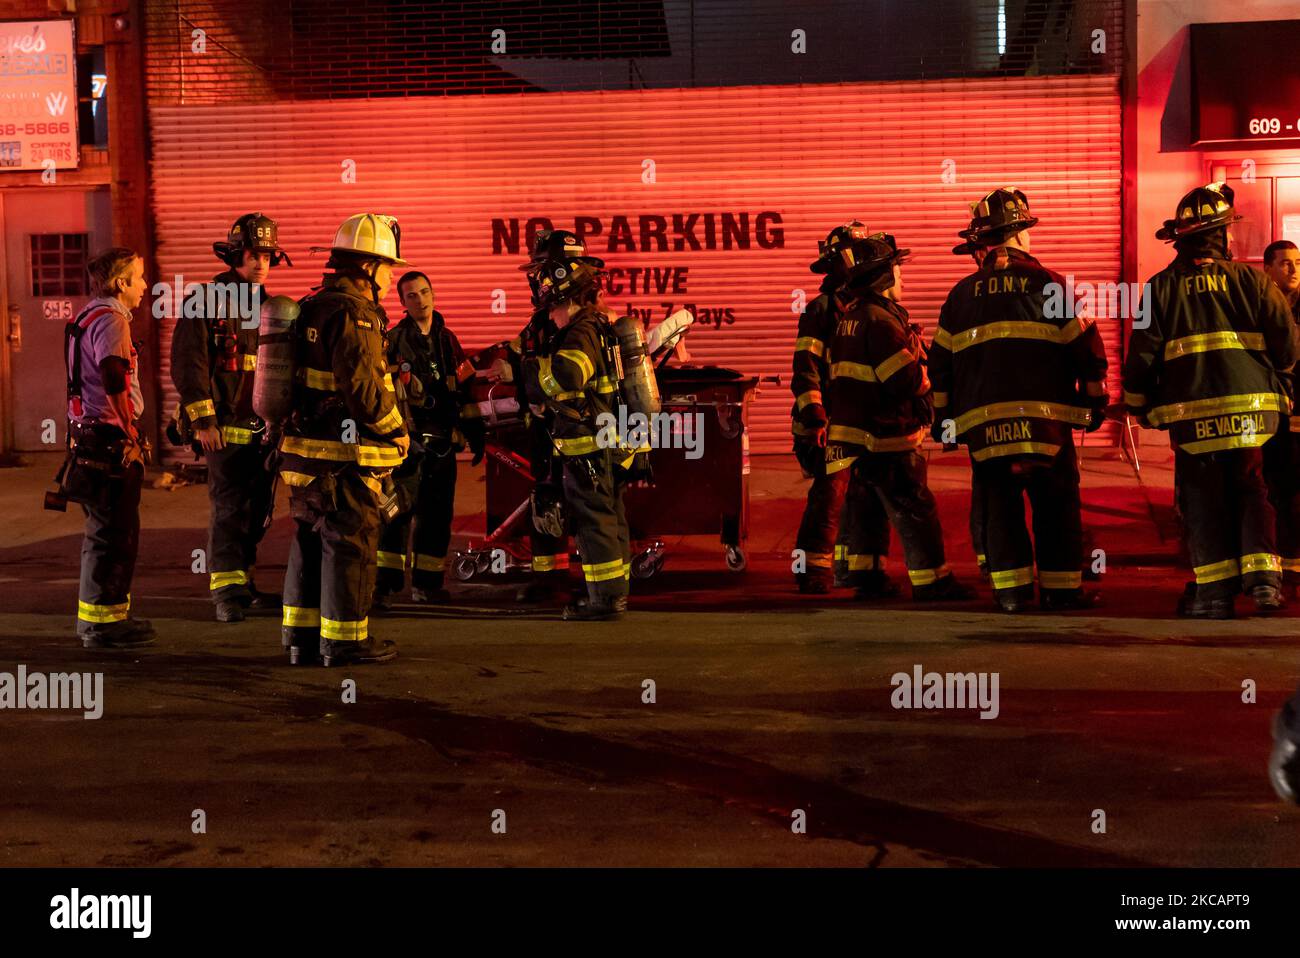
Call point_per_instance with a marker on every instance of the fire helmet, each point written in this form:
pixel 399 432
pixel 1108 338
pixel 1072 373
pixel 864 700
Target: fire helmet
pixel 996 216
pixel 1204 208
pixel 370 235
pixel 252 231
pixel 560 269
pixel 868 259
pixel 558 245
pixel 836 240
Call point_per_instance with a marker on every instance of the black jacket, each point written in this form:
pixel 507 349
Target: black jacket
pixel 880 393
pixel 1013 372
pixel 214 359
pixel 442 407
pixel 1207 366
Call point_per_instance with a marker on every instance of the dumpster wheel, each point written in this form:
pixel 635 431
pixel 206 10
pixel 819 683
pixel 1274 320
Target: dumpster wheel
pixel 465 567
pixel 735 559
pixel 648 562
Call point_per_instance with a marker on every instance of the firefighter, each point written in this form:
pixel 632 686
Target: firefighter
pixel 1282 452
pixel 880 408
pixel 214 361
pixel 344 438
pixel 1206 369
pixel 104 471
pixel 576 373
pixel 818 533
pixel 1015 370
pixel 431 365
pixel 548 540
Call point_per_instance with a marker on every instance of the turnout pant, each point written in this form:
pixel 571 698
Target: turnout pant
pixel 550 554
pixel 239 490
pixel 1052 486
pixel 594 499
pixel 1228 521
pixel 1282 474
pixel 824 529
pixel 108 553
pixel 330 581
pixel 896 481
pixel 430 518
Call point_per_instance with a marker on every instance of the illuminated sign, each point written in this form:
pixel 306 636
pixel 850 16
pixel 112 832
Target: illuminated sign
pixel 38 96
pixel 1246 82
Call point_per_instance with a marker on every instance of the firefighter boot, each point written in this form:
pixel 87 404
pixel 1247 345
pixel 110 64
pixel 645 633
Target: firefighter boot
pixel 584 610
pixel 946 589
pixel 370 650
pixel 1014 600
pixel 1284 763
pixel 229 610
pixel 1069 600
pixel 875 584
pixel 130 634
pixel 1194 606
pixel 1268 598
pixel 301 647
pixel 815 581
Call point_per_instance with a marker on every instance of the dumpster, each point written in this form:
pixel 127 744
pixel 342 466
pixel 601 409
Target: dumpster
pixel 699 463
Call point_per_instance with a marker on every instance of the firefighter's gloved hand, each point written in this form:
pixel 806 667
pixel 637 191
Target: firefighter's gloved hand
pixel 403 444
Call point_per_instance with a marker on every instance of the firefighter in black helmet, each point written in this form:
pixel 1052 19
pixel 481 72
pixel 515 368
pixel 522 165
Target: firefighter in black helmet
pixel 214 361
pixel 575 376
pixel 345 437
pixel 1206 368
pixel 822 527
pixel 548 540
pixel 1013 376
pixel 881 408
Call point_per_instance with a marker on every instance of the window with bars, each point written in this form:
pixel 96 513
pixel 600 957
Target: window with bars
pixel 59 264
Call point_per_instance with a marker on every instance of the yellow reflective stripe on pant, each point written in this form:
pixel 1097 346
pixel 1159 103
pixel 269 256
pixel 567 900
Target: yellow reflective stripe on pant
pixel 603 571
pixel 219 580
pixel 869 563
pixel 1060 580
pixel 296 617
pixel 1217 571
pixel 927 576
pixel 1012 578
pixel 337 630
pixel 391 560
pixel 550 563
pixel 426 563
pixel 1260 562
pixel 89 612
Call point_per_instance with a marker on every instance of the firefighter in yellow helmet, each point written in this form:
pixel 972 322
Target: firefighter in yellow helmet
pixel 345 436
pixel 1205 367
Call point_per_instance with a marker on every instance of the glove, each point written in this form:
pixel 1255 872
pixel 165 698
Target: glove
pixel 1096 417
